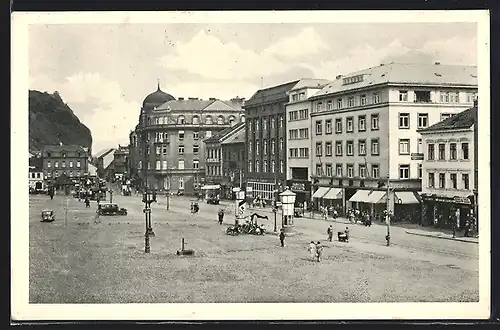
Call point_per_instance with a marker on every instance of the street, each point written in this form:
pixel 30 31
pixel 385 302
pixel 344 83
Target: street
pixel 101 260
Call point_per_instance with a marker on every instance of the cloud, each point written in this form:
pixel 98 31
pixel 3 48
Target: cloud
pixel 208 56
pixel 98 103
pixel 304 43
pixel 455 50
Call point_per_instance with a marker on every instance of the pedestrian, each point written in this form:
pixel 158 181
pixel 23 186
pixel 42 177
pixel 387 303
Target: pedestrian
pixel 335 214
pixel 346 231
pixel 319 251
pixel 312 250
pixel 87 202
pixel 221 216
pixel 329 231
pixel 282 238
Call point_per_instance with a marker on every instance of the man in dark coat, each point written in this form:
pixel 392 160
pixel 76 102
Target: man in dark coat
pixel 329 231
pixel 221 216
pixel 282 238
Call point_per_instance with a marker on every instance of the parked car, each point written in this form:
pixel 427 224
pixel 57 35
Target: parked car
pixel 213 200
pixel 48 216
pixel 298 212
pixel 111 209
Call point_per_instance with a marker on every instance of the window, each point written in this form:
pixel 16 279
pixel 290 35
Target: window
pixel 404 171
pixel 338 148
pixel 453 181
pixel 295 97
pixel 71 164
pixel 423 120
pixel 329 105
pixel 158 150
pixel 293 134
pixel 48 154
pixel 180 120
pixel 264 167
pixel 181 135
pixel 257 166
pixel 338 125
pixel 375 98
pixel 304 152
pixel 403 96
pixel 56 164
pixel 181 183
pixel 303 133
pixel 282 144
pixel 319 107
pixel 404 120
pixel 64 155
pixel 328 149
pixel 257 125
pixel 158 165
pixel 257 148
pixel 319 127
pixel 250 166
pixel 441 152
pixel 362 99
pixel 164 164
pixel 419 146
pixel 349 124
pixel 404 146
pixel 329 171
pixel 281 122
pixel 208 134
pixel 281 166
pixel 196 135
pixel 362 147
pixel 340 104
pixel 273 123
pixel 362 171
pixel 220 120
pixel 181 150
pixel 453 151
pixel 273 166
pixel 465 151
pixel 445 116
pixel 375 171
pixel 196 120
pixel 273 146
pixel 196 149
pixel 350 148
pixel 49 164
pixel 430 151
pixel 250 149
pixel 350 170
pixel 375 147
pixel 419 171
pixel 264 124
pixel 362 123
pixel 338 170
pixel 454 97
pixel 264 147
pixel 465 181
pixel 328 126
pixel 471 97
pixel 442 180
pixel 351 101
pixel 78 164
pixel 319 170
pixel 180 164
pixel 293 152
pixel 422 96
pixel 319 149
pixel 375 122
pixel 431 182
pixel 63 164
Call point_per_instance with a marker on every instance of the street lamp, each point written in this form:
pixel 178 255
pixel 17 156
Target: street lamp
pixel 288 204
pixel 387 215
pixel 240 196
pixel 148 197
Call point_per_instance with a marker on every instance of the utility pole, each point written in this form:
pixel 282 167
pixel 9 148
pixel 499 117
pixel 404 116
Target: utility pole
pixel 275 208
pixel 168 188
pixel 387 216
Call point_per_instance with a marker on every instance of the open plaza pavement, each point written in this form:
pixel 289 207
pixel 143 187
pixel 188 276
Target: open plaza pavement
pixel 85 259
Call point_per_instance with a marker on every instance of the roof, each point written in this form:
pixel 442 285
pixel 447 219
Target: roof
pixel 237 135
pixel 35 164
pixel 406 73
pixel 157 97
pixel 310 83
pixel 270 94
pixel 199 105
pixel 58 147
pixel 104 152
pixel 219 135
pixel 462 120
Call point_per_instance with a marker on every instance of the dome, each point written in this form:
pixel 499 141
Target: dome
pixel 157 98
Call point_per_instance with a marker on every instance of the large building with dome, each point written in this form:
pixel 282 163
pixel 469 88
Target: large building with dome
pixel 167 145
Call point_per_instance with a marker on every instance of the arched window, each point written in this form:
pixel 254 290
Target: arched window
pixel 242 118
pixel 180 120
pixel 162 121
pixel 220 120
pixel 231 120
pixel 196 120
pixel 208 120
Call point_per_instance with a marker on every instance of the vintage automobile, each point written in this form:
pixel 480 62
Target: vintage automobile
pixel 111 209
pixel 48 216
pixel 194 207
pixel 298 212
pixel 213 200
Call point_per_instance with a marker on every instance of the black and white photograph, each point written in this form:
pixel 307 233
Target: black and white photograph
pixel 250 165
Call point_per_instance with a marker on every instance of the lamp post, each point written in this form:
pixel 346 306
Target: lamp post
pixel 148 197
pixel 387 215
pixel 240 196
pixel 288 202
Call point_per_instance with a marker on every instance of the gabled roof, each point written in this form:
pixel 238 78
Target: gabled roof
pixel 462 120
pixel 35 164
pixel 270 94
pixel 104 152
pixel 226 132
pixel 310 83
pixel 406 73
pixel 237 135
pixel 68 147
pixel 199 105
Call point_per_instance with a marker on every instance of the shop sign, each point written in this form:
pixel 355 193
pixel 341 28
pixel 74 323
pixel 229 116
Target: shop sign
pixel 417 156
pixel 298 186
pixel 461 200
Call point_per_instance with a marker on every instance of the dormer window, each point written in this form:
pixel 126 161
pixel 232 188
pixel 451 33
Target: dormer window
pixel 180 120
pixel 208 120
pixel 220 120
pixel 196 120
pixel 63 154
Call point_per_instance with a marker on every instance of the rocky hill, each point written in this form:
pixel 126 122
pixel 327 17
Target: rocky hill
pixel 51 122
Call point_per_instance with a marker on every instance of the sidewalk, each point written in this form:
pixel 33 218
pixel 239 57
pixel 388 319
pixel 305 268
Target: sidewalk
pixel 441 235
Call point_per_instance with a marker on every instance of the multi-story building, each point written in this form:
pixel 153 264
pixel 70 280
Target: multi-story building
pixel 168 140
pixel 265 141
pixel 120 161
pixel 36 173
pixel 104 162
pixel 71 160
pixel 298 138
pixel 365 131
pixel 225 160
pixel 449 168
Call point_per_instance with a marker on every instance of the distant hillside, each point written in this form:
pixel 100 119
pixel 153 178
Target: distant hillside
pixel 53 122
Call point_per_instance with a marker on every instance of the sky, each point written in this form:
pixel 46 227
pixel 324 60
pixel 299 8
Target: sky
pixel 104 71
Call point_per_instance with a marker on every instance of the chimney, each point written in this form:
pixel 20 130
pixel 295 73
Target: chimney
pixel 181 99
pixel 382 64
pixel 338 76
pixel 211 98
pixel 437 63
pixel 193 98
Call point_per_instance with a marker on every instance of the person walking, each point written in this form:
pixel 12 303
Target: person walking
pixel 282 238
pixel 312 250
pixel 329 231
pixel 221 216
pixel 319 251
pixel 87 201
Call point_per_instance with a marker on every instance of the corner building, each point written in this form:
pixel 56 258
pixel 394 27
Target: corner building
pixel 265 141
pixel 169 152
pixel 365 132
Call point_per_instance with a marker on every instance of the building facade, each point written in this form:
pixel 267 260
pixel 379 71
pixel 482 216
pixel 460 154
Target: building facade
pixel 120 161
pixel 169 151
pixel 265 147
pixel 71 160
pixel 104 162
pixel 298 137
pixel 35 174
pixel 365 132
pixel 449 166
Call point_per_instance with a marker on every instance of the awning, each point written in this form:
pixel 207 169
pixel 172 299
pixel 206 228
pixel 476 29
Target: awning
pixel 360 196
pixel 320 192
pixel 209 187
pixel 406 197
pixel 377 197
pixel 334 193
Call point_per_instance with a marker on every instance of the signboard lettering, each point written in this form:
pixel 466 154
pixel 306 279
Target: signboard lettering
pixel 417 156
pixel 298 186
